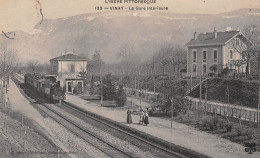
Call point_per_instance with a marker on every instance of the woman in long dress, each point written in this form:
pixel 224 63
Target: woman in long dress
pixel 129 117
pixel 146 120
pixel 141 120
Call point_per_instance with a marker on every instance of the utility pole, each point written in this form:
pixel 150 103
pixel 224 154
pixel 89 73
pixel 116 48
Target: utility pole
pixel 101 93
pixel 200 89
pixel 4 82
pixel 101 82
pixel 140 100
pixel 171 111
pixel 258 106
pixel 140 92
pixel 206 93
pixel 190 79
pixel 154 85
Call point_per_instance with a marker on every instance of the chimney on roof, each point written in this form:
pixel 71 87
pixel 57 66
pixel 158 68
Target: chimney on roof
pixel 68 52
pixel 195 35
pixel 215 34
pixel 229 29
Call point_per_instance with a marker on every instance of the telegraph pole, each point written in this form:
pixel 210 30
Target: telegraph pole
pixel 171 111
pixel 258 106
pixel 206 95
pixel 200 89
pixel 4 82
pixel 101 82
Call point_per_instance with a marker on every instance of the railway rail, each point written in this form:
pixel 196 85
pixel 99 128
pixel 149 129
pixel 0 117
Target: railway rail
pixel 104 146
pixel 89 137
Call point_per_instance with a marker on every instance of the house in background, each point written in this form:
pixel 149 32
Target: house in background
pixel 66 68
pixel 223 49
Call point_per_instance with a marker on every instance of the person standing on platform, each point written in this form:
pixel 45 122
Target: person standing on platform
pixel 129 117
pixel 146 119
pixel 141 120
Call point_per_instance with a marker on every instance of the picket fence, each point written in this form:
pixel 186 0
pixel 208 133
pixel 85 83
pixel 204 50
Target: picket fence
pixel 230 110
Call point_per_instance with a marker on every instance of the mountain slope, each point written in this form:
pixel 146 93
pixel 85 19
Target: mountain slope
pixel 143 32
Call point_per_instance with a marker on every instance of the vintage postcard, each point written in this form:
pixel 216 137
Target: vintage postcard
pixel 129 78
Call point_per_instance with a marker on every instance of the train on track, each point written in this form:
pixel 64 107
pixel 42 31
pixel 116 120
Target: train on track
pixel 46 86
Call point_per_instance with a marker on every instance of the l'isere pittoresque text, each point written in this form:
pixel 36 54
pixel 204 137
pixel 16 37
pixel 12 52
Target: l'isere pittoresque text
pixel 114 5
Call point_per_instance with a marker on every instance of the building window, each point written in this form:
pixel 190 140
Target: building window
pixel 204 56
pixel 231 54
pixel 194 56
pixel 237 41
pixel 72 68
pixel 194 68
pixel 204 68
pixel 215 56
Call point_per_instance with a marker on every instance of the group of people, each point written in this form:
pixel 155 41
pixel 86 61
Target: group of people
pixel 143 117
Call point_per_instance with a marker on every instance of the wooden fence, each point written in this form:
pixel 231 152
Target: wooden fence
pixel 230 110
pixel 235 111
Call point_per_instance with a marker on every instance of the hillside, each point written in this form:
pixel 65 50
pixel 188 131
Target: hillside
pixel 240 92
pixel 144 32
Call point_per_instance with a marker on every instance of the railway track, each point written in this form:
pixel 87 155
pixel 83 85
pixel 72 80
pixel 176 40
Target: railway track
pixel 109 149
pixel 93 139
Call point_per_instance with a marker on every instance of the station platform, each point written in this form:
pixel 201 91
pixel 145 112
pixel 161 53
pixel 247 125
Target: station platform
pixel 181 134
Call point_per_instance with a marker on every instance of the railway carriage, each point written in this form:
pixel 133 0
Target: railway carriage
pixel 45 86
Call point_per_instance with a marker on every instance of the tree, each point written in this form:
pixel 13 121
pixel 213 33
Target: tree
pixel 238 64
pixel 8 62
pixel 174 94
pixel 125 54
pixel 83 74
pixel 121 96
pixel 213 68
pixel 178 59
pixel 33 65
pixel 92 86
pixel 252 41
pixel 109 89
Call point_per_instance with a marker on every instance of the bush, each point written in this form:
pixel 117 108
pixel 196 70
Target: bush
pixel 249 133
pixel 211 125
pixel 213 68
pixel 220 124
pixel 121 96
pixel 205 122
pixel 109 88
pixel 229 127
pixel 211 74
pixel 239 131
pixel 215 121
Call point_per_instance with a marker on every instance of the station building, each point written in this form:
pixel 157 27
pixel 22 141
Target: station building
pixel 66 68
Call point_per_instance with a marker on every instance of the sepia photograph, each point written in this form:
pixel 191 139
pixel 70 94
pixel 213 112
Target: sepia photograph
pixel 129 78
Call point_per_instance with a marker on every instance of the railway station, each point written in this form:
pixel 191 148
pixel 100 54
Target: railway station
pixel 130 79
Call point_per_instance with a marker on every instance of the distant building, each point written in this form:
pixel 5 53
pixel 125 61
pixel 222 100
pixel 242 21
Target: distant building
pixel 220 48
pixel 67 67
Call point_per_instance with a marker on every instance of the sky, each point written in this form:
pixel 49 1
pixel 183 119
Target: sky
pixel 24 14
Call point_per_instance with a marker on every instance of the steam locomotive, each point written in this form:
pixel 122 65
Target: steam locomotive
pixel 46 86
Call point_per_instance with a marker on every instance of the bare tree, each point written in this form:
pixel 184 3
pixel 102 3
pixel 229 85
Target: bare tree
pixel 125 54
pixel 163 56
pixel 252 40
pixel 33 65
pixel 238 64
pixel 178 59
pixel 8 62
